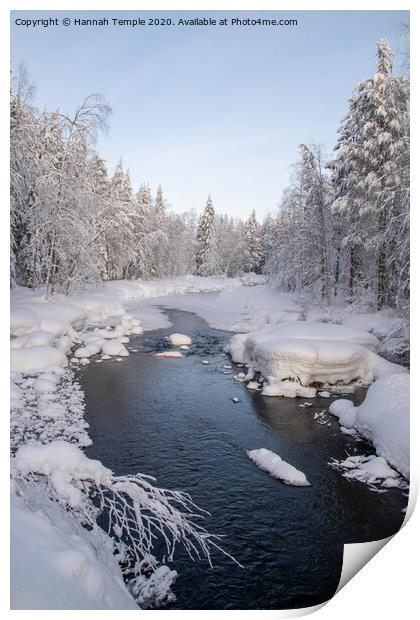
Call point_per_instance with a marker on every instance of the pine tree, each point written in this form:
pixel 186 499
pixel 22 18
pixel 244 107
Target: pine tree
pixel 205 241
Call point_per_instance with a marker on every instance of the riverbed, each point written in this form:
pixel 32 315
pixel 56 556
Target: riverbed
pixel 175 419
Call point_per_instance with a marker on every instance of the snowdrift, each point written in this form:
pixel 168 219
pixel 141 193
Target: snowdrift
pixel 383 418
pixel 58 564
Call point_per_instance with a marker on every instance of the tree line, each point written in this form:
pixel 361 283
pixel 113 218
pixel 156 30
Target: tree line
pixel 341 229
pixel 72 224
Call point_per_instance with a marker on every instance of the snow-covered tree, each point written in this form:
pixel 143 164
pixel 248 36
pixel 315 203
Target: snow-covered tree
pixel 253 248
pixel 230 246
pixel 302 235
pixel 371 181
pixel 180 230
pixel 205 241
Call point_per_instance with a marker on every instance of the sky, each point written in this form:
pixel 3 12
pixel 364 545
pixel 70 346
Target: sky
pixel 204 110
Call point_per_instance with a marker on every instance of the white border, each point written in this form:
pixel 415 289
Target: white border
pixel 386 586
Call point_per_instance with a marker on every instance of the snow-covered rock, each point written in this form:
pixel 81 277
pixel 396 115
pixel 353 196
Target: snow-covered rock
pixel 174 354
pixel 92 347
pixel 276 467
pixel 289 389
pixel 114 347
pixel 311 352
pixel 253 385
pixel 177 340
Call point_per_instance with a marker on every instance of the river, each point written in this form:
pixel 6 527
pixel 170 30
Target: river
pixel 174 419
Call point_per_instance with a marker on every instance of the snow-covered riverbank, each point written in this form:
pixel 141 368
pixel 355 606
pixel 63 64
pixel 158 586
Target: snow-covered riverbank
pixel 47 335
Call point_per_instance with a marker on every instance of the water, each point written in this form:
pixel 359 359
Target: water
pixel 173 419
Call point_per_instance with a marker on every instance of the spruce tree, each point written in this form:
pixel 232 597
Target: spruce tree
pixel 252 232
pixel 371 180
pixel 205 241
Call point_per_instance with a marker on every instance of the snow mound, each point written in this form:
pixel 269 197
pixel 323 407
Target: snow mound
pixel 114 347
pixel 64 464
pixel 174 354
pixel 55 317
pixel 57 564
pixel 311 353
pixel 92 347
pixel 177 340
pixel 383 418
pixel 99 306
pixel 36 359
pixel 23 321
pixel 253 385
pixel 32 339
pixel 276 467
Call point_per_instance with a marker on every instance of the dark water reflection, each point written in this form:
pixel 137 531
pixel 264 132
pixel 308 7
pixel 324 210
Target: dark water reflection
pixel 174 419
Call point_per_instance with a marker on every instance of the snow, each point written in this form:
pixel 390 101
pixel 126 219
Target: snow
pixel 23 321
pixel 64 464
pixel 57 564
pixel 36 358
pixel 53 316
pixel 156 589
pixel 178 340
pixel 112 298
pixel 372 470
pixel 240 305
pixel 114 347
pixel 92 348
pixel 383 418
pixel 55 410
pixel 310 352
pixel 289 389
pixel 378 323
pixel 174 354
pixel 34 338
pixel 345 411
pixel 253 385
pixel 290 353
pixel 46 382
pixel 276 467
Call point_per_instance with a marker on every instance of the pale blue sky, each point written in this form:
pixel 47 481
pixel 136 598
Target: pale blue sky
pixel 202 110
